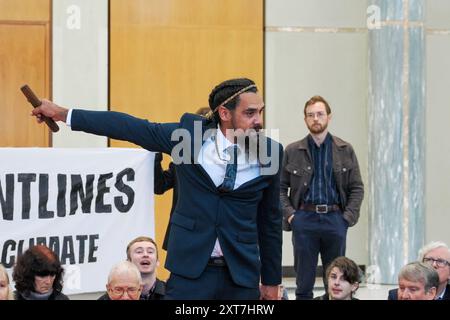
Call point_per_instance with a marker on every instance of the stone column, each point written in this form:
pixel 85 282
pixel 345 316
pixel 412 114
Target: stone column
pixel 396 111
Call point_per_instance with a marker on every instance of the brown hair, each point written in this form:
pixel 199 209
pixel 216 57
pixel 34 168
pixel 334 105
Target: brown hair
pixel 315 99
pixel 139 239
pixel 348 267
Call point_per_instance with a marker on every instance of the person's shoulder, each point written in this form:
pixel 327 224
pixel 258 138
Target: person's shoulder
pixel 341 142
pixel 104 297
pixel 17 295
pixel 272 144
pixel 447 293
pixel 159 291
pixel 193 122
pixel 297 144
pixel 160 283
pixel 60 296
pixel 392 294
pixel 188 118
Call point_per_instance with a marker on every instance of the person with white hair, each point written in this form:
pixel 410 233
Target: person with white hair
pixel 124 282
pixel 5 290
pixel 436 254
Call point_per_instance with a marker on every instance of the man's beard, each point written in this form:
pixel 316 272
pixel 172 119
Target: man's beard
pixel 247 137
pixel 249 140
pixel 252 137
pixel 244 137
pixel 317 128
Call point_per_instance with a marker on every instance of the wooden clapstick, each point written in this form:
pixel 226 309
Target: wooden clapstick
pixel 35 102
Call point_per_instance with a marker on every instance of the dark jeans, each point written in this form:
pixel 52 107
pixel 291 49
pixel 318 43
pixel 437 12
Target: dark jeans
pixel 215 283
pixel 314 233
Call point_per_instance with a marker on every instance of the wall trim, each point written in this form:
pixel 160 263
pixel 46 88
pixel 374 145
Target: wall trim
pixel 289 272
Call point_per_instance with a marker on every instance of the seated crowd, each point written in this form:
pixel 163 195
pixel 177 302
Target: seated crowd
pixel 38 275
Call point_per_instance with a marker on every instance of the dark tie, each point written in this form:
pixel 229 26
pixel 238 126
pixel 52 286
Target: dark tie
pixel 230 171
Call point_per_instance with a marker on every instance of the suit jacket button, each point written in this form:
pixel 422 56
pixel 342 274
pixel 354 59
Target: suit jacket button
pixel 295 171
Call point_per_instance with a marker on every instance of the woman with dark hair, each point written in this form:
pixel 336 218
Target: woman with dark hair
pixel 38 275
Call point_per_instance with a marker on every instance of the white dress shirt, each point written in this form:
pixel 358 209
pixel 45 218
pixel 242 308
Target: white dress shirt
pixel 215 166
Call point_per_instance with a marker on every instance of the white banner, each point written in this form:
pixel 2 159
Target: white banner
pixel 85 204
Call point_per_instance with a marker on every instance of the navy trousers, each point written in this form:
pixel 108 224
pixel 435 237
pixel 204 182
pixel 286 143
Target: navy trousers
pixel 314 233
pixel 215 283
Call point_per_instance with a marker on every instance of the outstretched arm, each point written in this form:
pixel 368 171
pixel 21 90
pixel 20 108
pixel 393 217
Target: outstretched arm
pixel 115 125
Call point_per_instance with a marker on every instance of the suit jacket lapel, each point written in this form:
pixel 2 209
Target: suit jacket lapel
pixel 200 130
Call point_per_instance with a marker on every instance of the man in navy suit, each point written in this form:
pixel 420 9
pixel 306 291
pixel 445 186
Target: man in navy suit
pixel 166 179
pixel 226 230
pixel 436 254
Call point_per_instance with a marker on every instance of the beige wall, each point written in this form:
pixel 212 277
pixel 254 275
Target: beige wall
pixel 80 63
pixel 302 62
pixel 438 14
pixel 437 115
pixel 316 13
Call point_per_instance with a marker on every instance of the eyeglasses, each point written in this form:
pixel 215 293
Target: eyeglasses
pixel 441 263
pixel 312 115
pixel 119 291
